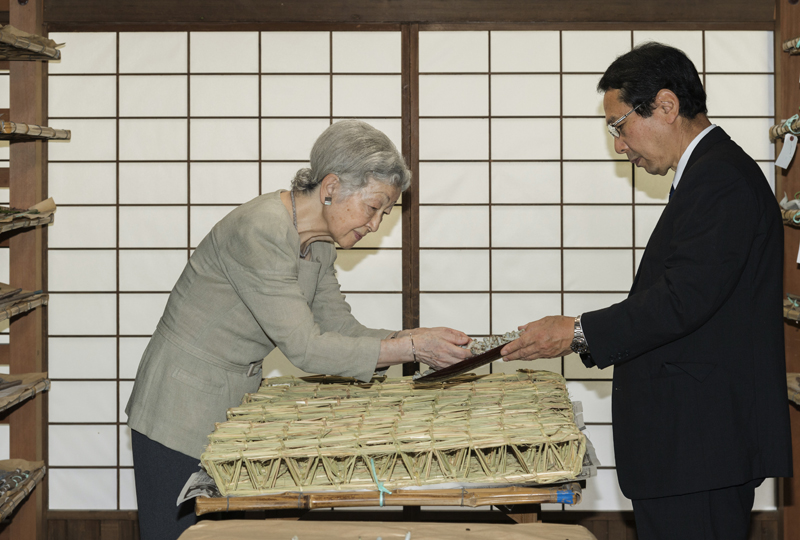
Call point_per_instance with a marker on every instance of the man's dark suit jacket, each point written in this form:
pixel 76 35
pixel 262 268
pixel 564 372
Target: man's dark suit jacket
pixel 699 391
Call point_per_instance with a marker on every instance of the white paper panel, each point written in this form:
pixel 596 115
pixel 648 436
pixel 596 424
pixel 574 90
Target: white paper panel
pixel 466 312
pixel 203 219
pixel 730 51
pixel 749 134
pixel 82 270
pixel 593 50
pixel 367 95
pixel 369 270
pixel 295 95
pixel 150 270
pixel 139 313
pixel 602 438
pixel 152 183
pixel 598 226
pixel 452 183
pixel 574 369
pixel 689 41
pixel 152 226
pixel 82 358
pixel 81 96
pixel 454 270
pixel 153 52
pixel 522 138
pixel 223 52
pixel 602 494
pixel 598 270
pixel 520 183
pixel 366 52
pixel 127 490
pixel 125 447
pixel 509 311
pixel 216 183
pixel 5 441
pixel 82 183
pixel 84 226
pixel 5 90
pixel 725 95
pixel 290 139
pixel 278 176
pixel 295 52
pixel 82 489
pixel 89 52
pixel 526 270
pixel 453 139
pixel 646 219
pixel 596 399
pixel 82 314
pixel 453 52
pixel 377 310
pixel 581 97
pixel 150 140
pixel 526 95
pixel 588 138
pixel 130 354
pixel 525 51
pixel 83 401
pixel 228 95
pixel 651 188
pixel 153 95
pixel 597 182
pixel 526 226
pixel 232 139
pixel 766 496
pixel 454 95
pixel 442 226
pixel 86 446
pixel 125 390
pixel 91 140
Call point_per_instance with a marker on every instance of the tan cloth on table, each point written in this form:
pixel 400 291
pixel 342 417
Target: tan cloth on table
pixel 243 292
pixel 344 530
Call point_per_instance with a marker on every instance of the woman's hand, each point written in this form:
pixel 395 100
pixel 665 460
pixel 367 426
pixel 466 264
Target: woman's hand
pixel 440 347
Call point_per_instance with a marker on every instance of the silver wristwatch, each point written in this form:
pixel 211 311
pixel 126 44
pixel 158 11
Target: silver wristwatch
pixel 579 344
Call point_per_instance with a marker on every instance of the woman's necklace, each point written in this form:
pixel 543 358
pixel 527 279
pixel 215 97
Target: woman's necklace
pixel 304 253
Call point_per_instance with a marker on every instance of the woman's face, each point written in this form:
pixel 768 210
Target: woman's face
pixel 351 218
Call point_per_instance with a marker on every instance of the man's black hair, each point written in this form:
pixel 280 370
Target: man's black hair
pixel 642 72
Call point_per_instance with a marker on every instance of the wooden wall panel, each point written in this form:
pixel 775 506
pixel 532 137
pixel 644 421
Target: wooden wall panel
pixel 442 11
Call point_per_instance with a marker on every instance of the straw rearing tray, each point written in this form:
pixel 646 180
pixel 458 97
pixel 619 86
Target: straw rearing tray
pixel 296 435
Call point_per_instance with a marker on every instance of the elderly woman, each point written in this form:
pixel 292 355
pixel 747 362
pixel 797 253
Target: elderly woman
pixel 264 278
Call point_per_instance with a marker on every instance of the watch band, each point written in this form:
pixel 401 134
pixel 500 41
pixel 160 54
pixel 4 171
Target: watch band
pixel 579 344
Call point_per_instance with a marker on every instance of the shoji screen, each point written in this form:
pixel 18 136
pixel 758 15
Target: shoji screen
pixel 526 210
pixel 171 131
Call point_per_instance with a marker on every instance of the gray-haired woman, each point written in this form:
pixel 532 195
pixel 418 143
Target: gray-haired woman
pixel 264 278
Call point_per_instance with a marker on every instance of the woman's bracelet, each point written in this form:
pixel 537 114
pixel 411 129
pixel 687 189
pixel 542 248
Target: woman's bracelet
pixel 413 349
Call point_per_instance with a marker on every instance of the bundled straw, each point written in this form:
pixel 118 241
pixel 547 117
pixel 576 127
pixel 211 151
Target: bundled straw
pixel 792 46
pixel 19 131
pixel 296 435
pixel 18 45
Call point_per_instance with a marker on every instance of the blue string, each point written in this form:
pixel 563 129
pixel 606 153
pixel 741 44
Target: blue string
pixel 380 485
pixel 792 300
pixel 795 219
pixel 788 124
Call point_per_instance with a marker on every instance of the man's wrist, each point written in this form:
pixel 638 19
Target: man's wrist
pixel 579 344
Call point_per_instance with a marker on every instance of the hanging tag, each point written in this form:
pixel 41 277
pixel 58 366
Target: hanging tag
pixel 798 256
pixel 787 153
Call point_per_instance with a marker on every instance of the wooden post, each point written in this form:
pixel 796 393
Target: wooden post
pixel 787 100
pixel 28 264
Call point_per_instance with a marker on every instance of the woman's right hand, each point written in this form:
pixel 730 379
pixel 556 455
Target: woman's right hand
pixel 440 347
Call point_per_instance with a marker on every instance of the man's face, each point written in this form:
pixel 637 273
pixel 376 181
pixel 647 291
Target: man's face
pixel 643 140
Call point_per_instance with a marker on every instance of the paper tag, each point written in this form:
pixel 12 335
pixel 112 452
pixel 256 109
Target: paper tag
pixel 787 153
pixel 798 256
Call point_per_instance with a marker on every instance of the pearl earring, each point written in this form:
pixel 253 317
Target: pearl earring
pixel 328 201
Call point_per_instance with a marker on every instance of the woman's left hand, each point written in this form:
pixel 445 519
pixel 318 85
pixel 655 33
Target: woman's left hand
pixel 440 347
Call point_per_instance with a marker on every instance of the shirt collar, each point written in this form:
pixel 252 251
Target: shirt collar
pixel 687 154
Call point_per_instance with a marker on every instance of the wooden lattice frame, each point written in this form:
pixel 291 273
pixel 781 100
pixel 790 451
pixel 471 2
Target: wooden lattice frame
pixel 295 435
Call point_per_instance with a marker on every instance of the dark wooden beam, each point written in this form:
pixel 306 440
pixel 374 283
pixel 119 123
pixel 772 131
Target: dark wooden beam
pixel 59 12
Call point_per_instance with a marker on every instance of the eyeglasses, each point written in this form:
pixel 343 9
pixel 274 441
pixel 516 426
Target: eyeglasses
pixel 612 127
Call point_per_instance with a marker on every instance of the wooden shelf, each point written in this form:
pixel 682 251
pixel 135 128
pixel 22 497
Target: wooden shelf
pixel 39 214
pixel 32 301
pixel 18 45
pixel 13 498
pixel 30 385
pixel 17 131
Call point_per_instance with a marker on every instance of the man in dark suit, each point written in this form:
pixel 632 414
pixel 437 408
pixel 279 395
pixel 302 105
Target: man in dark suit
pixel 700 411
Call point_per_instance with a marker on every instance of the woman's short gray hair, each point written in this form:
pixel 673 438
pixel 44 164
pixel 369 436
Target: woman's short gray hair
pixel 355 152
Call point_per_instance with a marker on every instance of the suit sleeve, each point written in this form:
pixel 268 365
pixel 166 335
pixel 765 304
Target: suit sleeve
pixel 331 310
pixel 709 247
pixel 262 266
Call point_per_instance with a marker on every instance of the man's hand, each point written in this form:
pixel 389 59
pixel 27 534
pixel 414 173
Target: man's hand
pixel 546 338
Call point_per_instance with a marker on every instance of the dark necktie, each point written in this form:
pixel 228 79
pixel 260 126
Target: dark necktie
pixel 671 191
